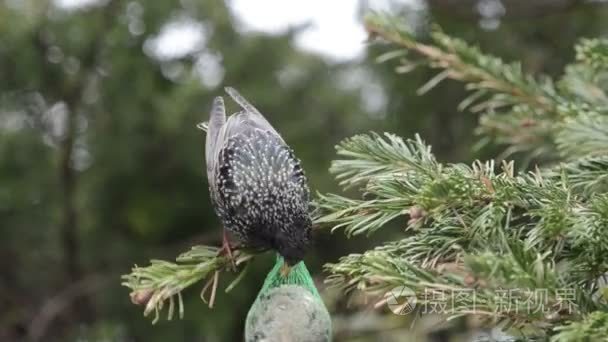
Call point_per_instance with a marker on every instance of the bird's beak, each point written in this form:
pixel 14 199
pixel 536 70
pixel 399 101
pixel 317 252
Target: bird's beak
pixel 285 269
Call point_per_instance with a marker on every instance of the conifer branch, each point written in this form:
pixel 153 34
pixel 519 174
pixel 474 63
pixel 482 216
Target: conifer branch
pixel 585 134
pixel 477 285
pixel 483 73
pixel 585 83
pixel 593 52
pixel 593 327
pixel 369 156
pixel 473 228
pixel 587 175
pixel 162 281
pixel 528 114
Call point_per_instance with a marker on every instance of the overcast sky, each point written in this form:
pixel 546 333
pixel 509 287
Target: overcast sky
pixel 334 27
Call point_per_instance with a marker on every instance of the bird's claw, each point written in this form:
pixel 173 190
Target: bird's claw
pixel 227 250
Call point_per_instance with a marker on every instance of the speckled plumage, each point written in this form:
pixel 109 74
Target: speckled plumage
pixel 257 185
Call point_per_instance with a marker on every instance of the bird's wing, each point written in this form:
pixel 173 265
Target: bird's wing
pixel 250 115
pixel 215 129
pixel 221 129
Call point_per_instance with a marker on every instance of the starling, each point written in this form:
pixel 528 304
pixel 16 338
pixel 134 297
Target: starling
pixel 257 186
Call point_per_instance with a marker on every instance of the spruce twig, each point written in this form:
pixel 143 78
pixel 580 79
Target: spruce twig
pixel 162 281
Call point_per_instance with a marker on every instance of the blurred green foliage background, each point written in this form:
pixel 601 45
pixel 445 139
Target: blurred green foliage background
pixel 101 164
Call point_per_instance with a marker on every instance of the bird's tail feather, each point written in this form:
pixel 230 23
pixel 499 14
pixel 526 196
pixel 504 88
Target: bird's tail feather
pixel 217 119
pixel 238 98
pixel 250 114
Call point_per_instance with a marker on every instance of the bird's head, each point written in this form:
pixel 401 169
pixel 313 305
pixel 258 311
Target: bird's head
pixel 293 243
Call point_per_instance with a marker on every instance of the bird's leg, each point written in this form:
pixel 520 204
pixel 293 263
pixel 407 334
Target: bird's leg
pixel 227 249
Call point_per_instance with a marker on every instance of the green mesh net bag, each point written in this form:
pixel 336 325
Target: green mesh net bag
pixel 288 309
